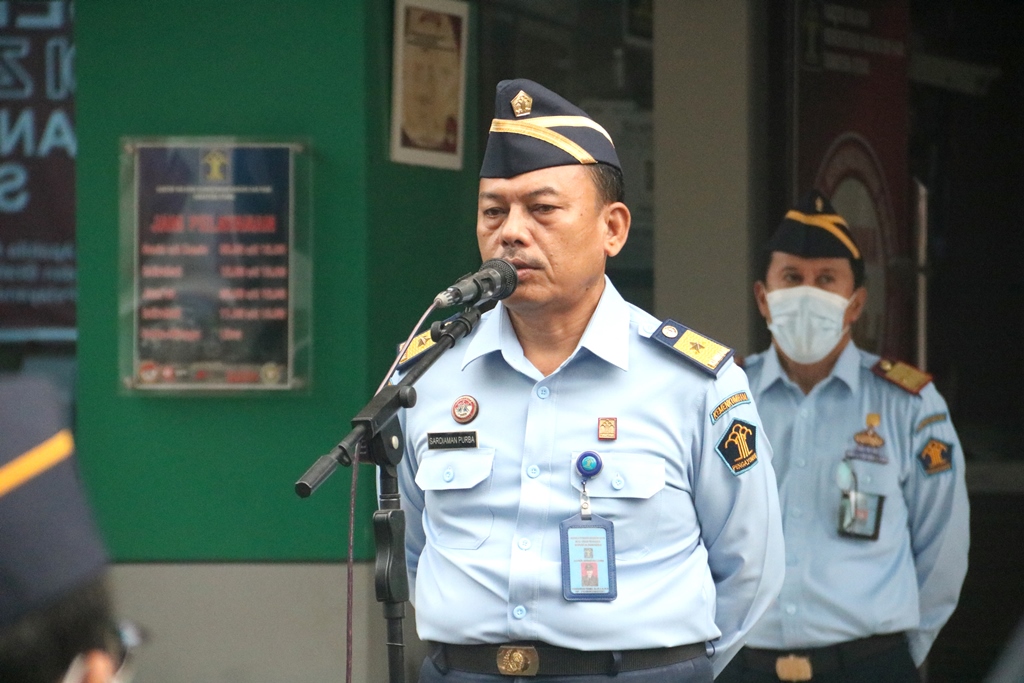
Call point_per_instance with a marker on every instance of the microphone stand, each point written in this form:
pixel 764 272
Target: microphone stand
pixel 376 426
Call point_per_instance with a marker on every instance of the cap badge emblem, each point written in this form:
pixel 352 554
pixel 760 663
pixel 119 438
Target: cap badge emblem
pixel 522 104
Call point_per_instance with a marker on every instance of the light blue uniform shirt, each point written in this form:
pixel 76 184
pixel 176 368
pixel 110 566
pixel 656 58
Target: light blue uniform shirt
pixel 699 550
pixel 838 588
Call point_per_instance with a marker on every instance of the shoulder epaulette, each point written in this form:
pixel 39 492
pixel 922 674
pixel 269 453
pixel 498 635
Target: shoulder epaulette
pixel 417 346
pixel 704 352
pixel 904 375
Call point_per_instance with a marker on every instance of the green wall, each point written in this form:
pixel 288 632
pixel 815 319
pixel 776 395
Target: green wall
pixel 210 478
pixel 423 234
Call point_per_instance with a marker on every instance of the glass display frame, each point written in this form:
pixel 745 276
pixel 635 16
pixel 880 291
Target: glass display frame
pixel 215 281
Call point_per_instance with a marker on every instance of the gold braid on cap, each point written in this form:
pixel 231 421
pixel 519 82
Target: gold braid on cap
pixel 540 128
pixel 35 461
pixel 827 222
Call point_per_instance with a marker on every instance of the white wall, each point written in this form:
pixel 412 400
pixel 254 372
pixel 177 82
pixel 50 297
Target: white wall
pixel 706 162
pixel 255 623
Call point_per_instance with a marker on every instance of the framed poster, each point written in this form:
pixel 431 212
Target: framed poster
pixel 429 82
pixel 214 265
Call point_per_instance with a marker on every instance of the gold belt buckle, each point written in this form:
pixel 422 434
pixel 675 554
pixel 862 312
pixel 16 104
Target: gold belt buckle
pixel 518 660
pixel 793 668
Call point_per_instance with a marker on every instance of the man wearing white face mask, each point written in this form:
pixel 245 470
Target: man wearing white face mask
pixel 870 474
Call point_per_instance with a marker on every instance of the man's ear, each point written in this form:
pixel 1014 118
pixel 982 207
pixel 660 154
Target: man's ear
pixel 761 297
pixel 858 300
pixel 99 667
pixel 616 219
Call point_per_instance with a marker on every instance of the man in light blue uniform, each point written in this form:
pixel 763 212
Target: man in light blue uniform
pixel 565 388
pixel 870 473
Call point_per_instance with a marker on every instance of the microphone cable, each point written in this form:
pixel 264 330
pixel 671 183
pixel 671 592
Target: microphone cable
pixel 350 562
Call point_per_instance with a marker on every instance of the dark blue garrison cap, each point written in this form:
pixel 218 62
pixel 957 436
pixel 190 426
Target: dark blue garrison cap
pixel 534 128
pixel 813 229
pixel 49 544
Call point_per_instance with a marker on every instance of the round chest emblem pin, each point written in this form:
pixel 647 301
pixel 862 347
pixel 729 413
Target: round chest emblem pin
pixel 465 409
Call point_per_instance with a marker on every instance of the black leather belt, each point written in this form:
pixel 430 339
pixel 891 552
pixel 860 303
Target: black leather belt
pixel 539 659
pixel 798 664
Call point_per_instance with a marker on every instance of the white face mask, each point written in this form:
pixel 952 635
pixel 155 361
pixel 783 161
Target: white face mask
pixel 807 322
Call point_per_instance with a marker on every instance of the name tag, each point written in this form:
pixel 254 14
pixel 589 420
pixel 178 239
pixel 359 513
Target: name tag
pixel 451 440
pixel 588 559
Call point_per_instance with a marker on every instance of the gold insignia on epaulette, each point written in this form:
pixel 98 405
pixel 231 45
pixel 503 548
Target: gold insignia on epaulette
pixel 418 345
pixel 706 352
pixel 522 104
pixel 903 375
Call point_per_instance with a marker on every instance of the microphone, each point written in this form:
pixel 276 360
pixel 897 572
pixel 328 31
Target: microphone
pixel 496 279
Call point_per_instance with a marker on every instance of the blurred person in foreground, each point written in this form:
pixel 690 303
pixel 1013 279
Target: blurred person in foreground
pixel 870 474
pixel 56 620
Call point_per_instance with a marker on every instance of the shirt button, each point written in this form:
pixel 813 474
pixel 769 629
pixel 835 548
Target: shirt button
pixel 803 412
pixel 800 462
pixel 797 512
pixel 449 474
pixel 618 482
pixel 519 612
pixel 524 544
pixel 790 609
pixel 543 392
pixel 533 471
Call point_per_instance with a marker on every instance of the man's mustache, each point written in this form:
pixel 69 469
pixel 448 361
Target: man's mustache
pixel 518 260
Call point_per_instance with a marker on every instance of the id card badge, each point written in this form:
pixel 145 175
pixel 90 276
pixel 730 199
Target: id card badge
pixel 860 515
pixel 588 559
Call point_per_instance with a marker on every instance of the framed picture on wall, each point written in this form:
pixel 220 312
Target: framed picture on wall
pixel 429 82
pixel 215 278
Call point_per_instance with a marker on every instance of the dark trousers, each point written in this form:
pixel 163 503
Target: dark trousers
pixel 697 670
pixel 892 665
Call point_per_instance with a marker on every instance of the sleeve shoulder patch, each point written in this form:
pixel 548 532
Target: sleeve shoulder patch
pixel 417 346
pixel 905 376
pixel 737 446
pixel 936 456
pixel 703 352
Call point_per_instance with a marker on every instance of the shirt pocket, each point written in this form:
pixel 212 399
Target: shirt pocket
pixel 457 487
pixel 626 492
pixel 880 479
